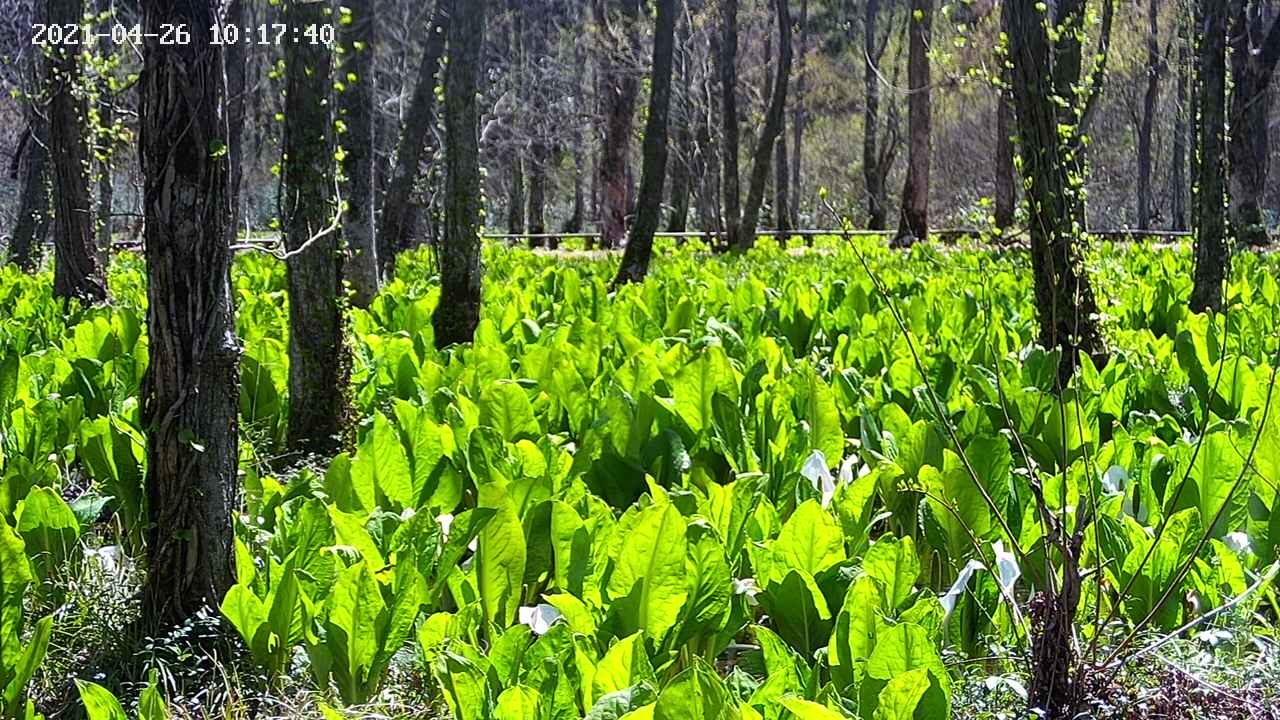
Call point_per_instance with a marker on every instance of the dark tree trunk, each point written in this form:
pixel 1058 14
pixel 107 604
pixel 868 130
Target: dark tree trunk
pixel 773 127
pixel 77 272
pixel 872 170
pixel 1152 97
pixel 730 183
pixel 1006 194
pixel 1255 53
pixel 681 165
pixel 799 117
pixel 782 190
pixel 356 98
pixel 620 89
pixel 458 311
pixel 1178 169
pixel 190 398
pixel 1051 168
pixel 635 261
pixel 913 224
pixel 33 197
pixel 394 232
pixel 317 359
pixel 1213 255
pixel 237 63
pixel 106 118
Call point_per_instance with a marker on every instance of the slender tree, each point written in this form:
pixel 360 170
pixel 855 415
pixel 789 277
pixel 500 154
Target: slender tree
pixel 458 312
pixel 1052 98
pixel 1155 67
pixel 1255 53
pixel 106 118
pixel 913 223
pixel 538 29
pixel 730 182
pixel 237 63
pixel 635 261
pixel 878 153
pixel 515 188
pixel 77 272
pixel 317 364
pixel 190 397
pixel 799 116
pixel 1178 163
pixel 357 90
pixel 1006 196
pixel 1213 255
pixel 414 145
pixel 621 88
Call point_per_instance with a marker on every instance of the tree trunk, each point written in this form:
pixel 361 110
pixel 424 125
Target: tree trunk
pixel 33 197
pixel 537 27
pixel 1253 63
pixel 773 127
pixel 77 272
pixel 799 117
pixel 578 214
pixel 1006 195
pixel 1213 256
pixel 1051 170
pixel 1149 102
pixel 393 233
pixel 106 118
pixel 357 80
pixel 871 170
pixel 1178 170
pixel 730 183
pixel 913 225
pixel 621 88
pixel 681 167
pixel 458 311
pixel 782 190
pixel 190 398
pixel 237 62
pixel 318 365
pixel 635 261
pixel 515 188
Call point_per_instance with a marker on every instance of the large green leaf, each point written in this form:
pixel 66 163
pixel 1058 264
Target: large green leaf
pixel 895 564
pixel 810 541
pixel 647 583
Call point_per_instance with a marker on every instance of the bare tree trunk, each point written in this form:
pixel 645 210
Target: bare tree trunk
pixel 635 260
pixel 393 234
pixel 1152 97
pixel 106 118
pixel 1006 195
pixel 537 27
pixel 1254 58
pixel 871 152
pixel 913 225
pixel 33 197
pixel 190 398
pixel 237 63
pixel 318 366
pixel 77 272
pixel 621 88
pixel 681 166
pixel 799 117
pixel 578 215
pixel 458 311
pixel 773 128
pixel 515 188
pixel 1213 256
pixel 1178 169
pixel 729 141
pixel 356 97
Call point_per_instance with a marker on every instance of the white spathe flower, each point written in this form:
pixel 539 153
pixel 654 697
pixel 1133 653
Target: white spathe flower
pixel 1238 543
pixel 1115 479
pixel 815 470
pixel 539 617
pixel 747 587
pixel 1007 570
pixel 952 595
pixel 446 522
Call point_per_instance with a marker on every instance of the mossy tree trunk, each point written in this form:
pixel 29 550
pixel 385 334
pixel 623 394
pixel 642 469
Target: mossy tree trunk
pixel 190 398
pixel 318 365
pixel 458 312
pixel 356 96
pixel 1213 255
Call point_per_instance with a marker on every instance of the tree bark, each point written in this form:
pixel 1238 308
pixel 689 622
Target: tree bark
pixel 394 230
pixel 730 183
pixel 537 56
pixel 237 64
pixel 799 117
pixel 77 272
pixel 106 118
pixel 782 189
pixel 1213 255
pixel 773 127
pixel 1006 195
pixel 635 260
pixel 1150 99
pixel 913 224
pixel 621 88
pixel 33 197
pixel 681 166
pixel 872 171
pixel 1052 173
pixel 1254 56
pixel 357 80
pixel 458 312
pixel 317 357
pixel 515 187
pixel 1178 169
pixel 190 398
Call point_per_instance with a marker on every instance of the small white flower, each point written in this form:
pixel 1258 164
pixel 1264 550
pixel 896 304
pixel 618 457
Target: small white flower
pixel 815 470
pixel 539 617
